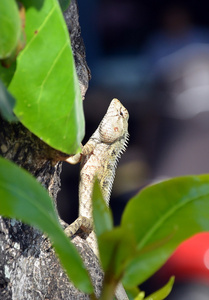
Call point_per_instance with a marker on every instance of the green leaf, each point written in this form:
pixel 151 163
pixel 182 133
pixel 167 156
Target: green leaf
pixel 102 215
pixel 10 26
pixel 116 249
pixel 7 103
pixel 45 84
pixel 140 296
pixel 22 197
pixel 163 292
pixel 6 74
pixel 161 217
pixel 115 245
pixel 64 4
pixel 135 293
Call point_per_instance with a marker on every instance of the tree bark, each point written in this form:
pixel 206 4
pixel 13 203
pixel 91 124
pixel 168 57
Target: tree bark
pixel 29 268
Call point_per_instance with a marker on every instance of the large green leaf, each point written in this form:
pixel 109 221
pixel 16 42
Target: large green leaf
pixel 161 217
pixel 10 27
pixel 22 197
pixel 45 83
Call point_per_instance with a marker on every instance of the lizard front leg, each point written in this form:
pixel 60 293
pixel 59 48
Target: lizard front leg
pixel 82 222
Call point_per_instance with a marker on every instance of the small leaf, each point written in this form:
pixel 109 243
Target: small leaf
pixel 45 83
pixel 161 217
pixel 8 61
pixel 135 294
pixel 101 213
pixel 7 103
pixel 22 197
pixel 163 292
pixel 10 25
pixel 140 296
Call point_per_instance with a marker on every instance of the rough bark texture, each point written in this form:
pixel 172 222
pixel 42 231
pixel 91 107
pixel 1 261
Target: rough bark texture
pixel 29 268
pixel 83 72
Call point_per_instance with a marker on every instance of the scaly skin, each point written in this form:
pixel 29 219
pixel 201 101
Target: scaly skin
pixel 99 159
pixel 100 155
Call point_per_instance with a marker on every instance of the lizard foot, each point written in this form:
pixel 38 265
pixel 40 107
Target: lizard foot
pixel 80 223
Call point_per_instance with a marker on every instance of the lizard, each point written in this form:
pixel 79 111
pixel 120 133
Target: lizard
pixel 99 157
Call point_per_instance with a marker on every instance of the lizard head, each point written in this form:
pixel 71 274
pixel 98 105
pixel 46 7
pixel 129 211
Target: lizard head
pixel 114 125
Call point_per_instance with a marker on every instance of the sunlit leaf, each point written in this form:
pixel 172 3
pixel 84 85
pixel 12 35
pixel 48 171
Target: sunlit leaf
pixel 140 296
pixel 10 27
pixel 45 84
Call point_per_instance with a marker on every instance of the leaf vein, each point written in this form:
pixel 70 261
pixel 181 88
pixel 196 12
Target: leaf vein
pixel 163 218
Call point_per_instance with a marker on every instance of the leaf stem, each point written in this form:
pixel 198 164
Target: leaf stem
pixel 108 290
pixel 93 296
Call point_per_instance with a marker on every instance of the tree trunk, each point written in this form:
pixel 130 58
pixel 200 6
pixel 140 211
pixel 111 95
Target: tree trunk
pixel 29 268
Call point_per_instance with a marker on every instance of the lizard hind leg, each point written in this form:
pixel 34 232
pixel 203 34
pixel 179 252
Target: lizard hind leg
pixel 83 223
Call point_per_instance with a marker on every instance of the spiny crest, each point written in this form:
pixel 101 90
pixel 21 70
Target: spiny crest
pixel 122 148
pixel 122 144
pixel 126 140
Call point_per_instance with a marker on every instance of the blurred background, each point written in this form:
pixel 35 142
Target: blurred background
pixel 154 57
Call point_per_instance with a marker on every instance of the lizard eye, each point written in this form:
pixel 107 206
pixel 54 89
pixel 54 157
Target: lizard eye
pixel 121 113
